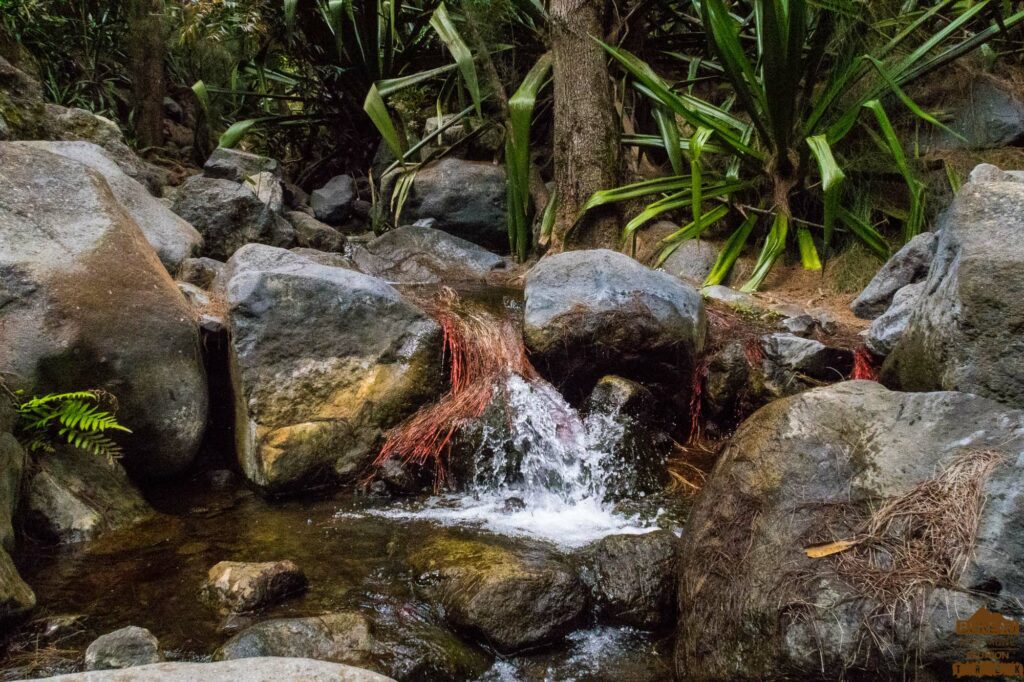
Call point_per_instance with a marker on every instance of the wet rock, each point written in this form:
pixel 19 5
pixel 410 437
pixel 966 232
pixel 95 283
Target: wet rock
pixel 332 203
pixel 268 189
pixel 964 331
pixel 910 264
pixel 886 331
pixel 632 578
pixel 124 648
pixel 728 375
pixel 240 587
pixel 312 234
pixel 323 359
pixel 235 165
pixel 229 216
pixel 424 255
pixel 75 265
pixel 810 469
pixel 807 356
pixel 692 261
pixel 247 670
pixel 72 496
pixel 61 626
pixel 589 313
pixel 512 598
pixel 16 597
pixel 200 272
pixel 12 464
pixel 467 198
pixel 173 239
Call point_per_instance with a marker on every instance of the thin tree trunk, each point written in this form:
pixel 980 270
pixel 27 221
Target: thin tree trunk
pixel 586 132
pixel 146 52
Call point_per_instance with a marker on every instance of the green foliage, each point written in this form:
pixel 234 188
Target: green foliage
pixel 75 418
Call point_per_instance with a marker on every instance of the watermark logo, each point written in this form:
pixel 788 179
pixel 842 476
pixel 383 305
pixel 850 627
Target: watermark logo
pixel 997 635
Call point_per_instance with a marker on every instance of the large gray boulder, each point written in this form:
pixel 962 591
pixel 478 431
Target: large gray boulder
pixel 85 303
pixel 816 468
pixel 247 670
pixel 236 165
pixel 908 265
pixel 323 359
pixel 886 331
pixel 173 239
pixel 332 203
pixel 423 255
pixel 229 215
pixel 590 313
pixel 964 333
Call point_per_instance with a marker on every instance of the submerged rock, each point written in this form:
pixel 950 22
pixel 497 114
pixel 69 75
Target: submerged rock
pixel 16 597
pixel 124 648
pixel 813 469
pixel 908 265
pixel 323 359
pixel 248 670
pixel 512 598
pixel 332 203
pixel 965 331
pixel 241 587
pixel 235 165
pixel 424 255
pixel 85 303
pixel 338 637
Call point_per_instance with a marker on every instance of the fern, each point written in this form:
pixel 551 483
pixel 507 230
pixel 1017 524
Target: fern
pixel 76 418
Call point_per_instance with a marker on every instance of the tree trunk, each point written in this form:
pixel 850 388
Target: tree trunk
pixel 146 52
pixel 586 132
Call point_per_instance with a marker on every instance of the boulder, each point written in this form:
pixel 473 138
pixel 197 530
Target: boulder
pixel 235 165
pixel 16 597
pixel 886 331
pixel 807 356
pixel 200 272
pixel 466 198
pixel 241 587
pixel 986 112
pixel 22 108
pixel 692 261
pixel 332 203
pixel 268 188
pixel 632 578
pixel 124 648
pixel 422 255
pixel 512 598
pixel 310 233
pixel 85 303
pixel 323 359
pixel 229 215
pixel 964 331
pixel 589 313
pixel 173 239
pixel 247 670
pixel 12 465
pixel 833 464
pixel 646 244
pixel 910 264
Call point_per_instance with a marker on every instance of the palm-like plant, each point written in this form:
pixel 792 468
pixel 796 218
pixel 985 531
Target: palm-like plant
pixel 76 418
pixel 799 87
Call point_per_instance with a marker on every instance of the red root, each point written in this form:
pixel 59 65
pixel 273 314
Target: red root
pixel 865 365
pixel 700 373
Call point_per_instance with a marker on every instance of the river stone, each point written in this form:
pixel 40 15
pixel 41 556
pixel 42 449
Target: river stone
pixel 753 606
pixel 310 233
pixel 235 165
pixel 229 216
pixel 908 265
pixel 332 203
pixel 16 597
pixel 200 272
pixel 323 359
pixel 124 648
pixel 632 578
pixel 466 198
pixel 886 331
pixel 512 598
pixel 807 356
pixel 964 333
pixel 241 587
pixel 173 239
pixel 247 670
pixel 423 255
pixel 268 188
pixel 590 313
pixel 85 303
pixel 692 261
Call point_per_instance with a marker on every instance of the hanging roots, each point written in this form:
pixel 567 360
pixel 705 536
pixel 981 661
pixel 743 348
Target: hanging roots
pixel 865 366
pixel 481 350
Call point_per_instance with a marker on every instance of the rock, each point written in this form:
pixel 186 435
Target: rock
pixel 807 356
pixel 964 331
pixel 986 172
pixel 323 359
pixel 730 297
pixel 124 648
pixel 268 189
pixel 332 203
pixel 423 255
pixel 296 199
pixel 452 133
pixel 727 382
pixel 22 108
pixel 800 325
pixel 467 198
pixel 589 313
pixel 910 264
pixel 173 110
pixel 173 239
pixel 200 272
pixel 512 598
pixel 807 470
pixel 85 303
pixel 229 216
pixel 16 597
pixel 985 112
pixel 692 261
pixel 886 331
pixel 73 496
pixel 647 246
pixel 241 587
pixel 632 578
pixel 247 670
pixel 235 165
pixel 12 464
pixel 312 234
